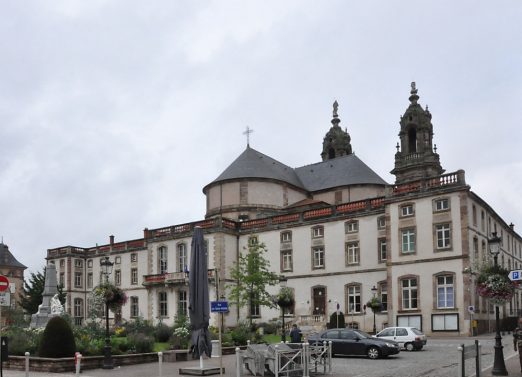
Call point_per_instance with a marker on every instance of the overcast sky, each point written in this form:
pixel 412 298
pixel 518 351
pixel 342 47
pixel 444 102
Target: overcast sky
pixel 115 114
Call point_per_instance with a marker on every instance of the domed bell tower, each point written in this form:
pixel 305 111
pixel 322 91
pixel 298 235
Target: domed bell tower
pixel 416 157
pixel 336 142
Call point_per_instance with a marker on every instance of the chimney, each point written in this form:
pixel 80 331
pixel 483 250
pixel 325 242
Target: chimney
pixel 111 239
pixel 146 233
pixel 512 226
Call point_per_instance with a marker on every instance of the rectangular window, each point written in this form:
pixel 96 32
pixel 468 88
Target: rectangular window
pixel 445 322
pixel 78 263
pixel 381 222
pixel 318 232
pixel 445 292
pixel 78 311
pixel 134 257
pixel 89 280
pixel 441 205
pixel 182 264
pixel 62 263
pixel 117 277
pixel 474 214
pixel 317 257
pixel 351 227
pixel 134 276
pixel 134 307
pixel 255 310
pixel 117 260
pixel 182 303
pixel 354 298
pixel 382 250
pixel 407 210
pixel 162 259
pixel 253 240
pixel 408 241
pixel 62 279
pixel 162 304
pixel 286 236
pixel 78 277
pixel 384 296
pixel 352 253
pixel 409 294
pixel 443 235
pixel 286 260
pixel 89 263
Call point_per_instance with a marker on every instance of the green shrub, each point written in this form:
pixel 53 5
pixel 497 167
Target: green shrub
pixel 22 340
pixel 163 333
pixel 268 327
pixel 57 339
pixel 241 334
pixel 139 325
pixel 140 343
pixel 336 320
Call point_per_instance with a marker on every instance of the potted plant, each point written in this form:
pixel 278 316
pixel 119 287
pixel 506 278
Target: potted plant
pixel 374 304
pixel 285 298
pixel 113 296
pixel 493 283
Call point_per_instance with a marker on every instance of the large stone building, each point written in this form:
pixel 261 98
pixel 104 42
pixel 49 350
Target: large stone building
pixel 14 271
pixel 335 229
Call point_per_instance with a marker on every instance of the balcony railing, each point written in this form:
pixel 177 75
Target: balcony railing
pixel 174 278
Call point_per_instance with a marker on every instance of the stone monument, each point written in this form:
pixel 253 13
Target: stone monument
pixel 50 305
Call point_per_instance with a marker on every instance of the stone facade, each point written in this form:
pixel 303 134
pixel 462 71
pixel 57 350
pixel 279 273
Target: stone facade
pixel 334 229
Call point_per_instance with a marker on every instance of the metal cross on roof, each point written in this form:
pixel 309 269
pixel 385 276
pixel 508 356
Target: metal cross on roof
pixel 247 133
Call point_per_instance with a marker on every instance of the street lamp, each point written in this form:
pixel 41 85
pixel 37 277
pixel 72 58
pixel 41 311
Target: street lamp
pixel 282 282
pixel 499 367
pixel 374 292
pixel 106 269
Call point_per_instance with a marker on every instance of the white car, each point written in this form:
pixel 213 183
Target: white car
pixel 409 338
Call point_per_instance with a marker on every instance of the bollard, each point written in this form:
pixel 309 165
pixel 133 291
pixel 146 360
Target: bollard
pixel 330 357
pixel 461 360
pixel 276 361
pixel 160 363
pixel 238 362
pixel 27 364
pixel 78 358
pixel 479 359
pixel 306 353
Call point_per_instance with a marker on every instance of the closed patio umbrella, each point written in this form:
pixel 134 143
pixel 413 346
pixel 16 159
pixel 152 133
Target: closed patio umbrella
pixel 199 304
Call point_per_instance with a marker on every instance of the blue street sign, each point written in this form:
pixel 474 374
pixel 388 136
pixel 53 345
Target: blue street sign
pixel 515 275
pixel 219 306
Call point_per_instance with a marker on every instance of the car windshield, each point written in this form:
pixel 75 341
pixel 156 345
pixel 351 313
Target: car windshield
pixel 362 334
pixel 417 332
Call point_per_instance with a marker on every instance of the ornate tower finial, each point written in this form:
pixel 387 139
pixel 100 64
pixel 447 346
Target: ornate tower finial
pixel 335 107
pixel 414 97
pixel 247 132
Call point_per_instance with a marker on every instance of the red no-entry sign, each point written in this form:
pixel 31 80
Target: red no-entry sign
pixel 4 283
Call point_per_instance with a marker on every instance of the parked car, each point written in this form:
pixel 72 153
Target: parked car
pixel 409 338
pixel 355 342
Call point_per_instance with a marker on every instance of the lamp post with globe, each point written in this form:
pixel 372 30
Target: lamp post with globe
pixel 499 366
pixel 106 269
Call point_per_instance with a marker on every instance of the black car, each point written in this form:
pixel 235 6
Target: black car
pixel 355 342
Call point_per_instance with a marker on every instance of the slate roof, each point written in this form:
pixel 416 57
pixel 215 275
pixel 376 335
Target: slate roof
pixel 341 171
pixel 7 259
pixel 254 164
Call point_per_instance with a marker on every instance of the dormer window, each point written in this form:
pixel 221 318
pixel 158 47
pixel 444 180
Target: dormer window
pixel 407 210
pixel 318 232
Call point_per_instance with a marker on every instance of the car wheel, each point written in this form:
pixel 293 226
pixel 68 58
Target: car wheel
pixel 373 353
pixel 409 346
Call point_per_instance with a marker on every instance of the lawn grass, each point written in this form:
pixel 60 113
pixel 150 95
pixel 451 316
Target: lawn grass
pixel 160 347
pixel 271 338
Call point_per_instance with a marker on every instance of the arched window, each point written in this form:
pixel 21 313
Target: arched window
pixel 162 260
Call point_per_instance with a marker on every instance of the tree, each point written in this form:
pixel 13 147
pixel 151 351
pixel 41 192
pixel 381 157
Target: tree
pixel 252 275
pixel 33 292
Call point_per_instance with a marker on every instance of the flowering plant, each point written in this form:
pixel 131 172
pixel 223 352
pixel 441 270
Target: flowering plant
pixel 374 304
pixel 113 296
pixel 285 297
pixel 493 283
